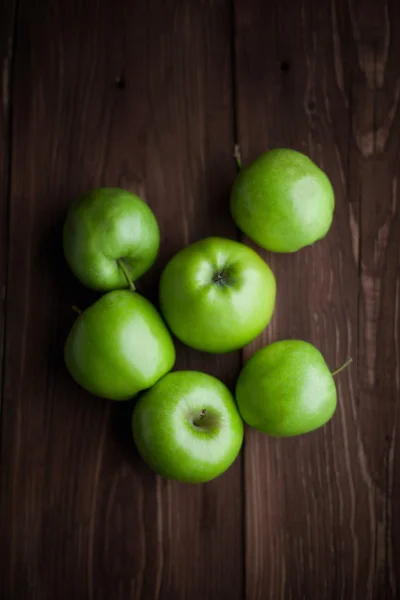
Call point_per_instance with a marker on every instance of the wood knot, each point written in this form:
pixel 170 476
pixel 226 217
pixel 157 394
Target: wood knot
pixel 311 106
pixel 120 82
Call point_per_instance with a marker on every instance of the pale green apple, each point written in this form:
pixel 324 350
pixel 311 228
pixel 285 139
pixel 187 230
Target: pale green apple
pixel 283 201
pixel 286 389
pixel 119 346
pixel 107 231
pixel 187 427
pixel 217 295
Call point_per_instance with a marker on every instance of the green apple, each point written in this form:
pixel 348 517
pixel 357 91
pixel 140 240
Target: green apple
pixel 187 427
pixel 283 201
pixel 217 295
pixel 107 231
pixel 286 389
pixel 119 346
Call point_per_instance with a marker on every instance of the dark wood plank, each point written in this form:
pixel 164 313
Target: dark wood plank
pixel 7 47
pixel 7 44
pixel 136 94
pixel 321 509
pixel 375 90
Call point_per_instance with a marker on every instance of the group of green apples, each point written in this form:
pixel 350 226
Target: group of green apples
pixel 216 296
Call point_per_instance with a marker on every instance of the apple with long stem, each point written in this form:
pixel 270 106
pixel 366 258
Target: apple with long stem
pixel 287 389
pixel 110 233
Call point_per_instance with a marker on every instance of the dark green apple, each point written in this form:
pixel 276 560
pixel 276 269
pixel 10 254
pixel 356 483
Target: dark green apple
pixel 283 201
pixel 286 389
pixel 106 231
pixel 119 346
pixel 187 427
pixel 217 295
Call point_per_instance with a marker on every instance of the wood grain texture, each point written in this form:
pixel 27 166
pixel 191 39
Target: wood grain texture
pixel 144 95
pixel 7 45
pixel 322 518
pixel 375 171
pixel 136 94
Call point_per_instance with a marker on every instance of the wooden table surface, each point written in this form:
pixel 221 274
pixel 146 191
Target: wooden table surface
pixel 152 96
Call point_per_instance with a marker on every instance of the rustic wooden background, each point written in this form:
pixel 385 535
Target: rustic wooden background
pixel 152 96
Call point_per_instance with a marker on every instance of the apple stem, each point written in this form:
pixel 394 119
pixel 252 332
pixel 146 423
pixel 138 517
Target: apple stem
pixel 343 367
pixel 77 310
pixel 127 276
pixel 237 155
pixel 203 413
